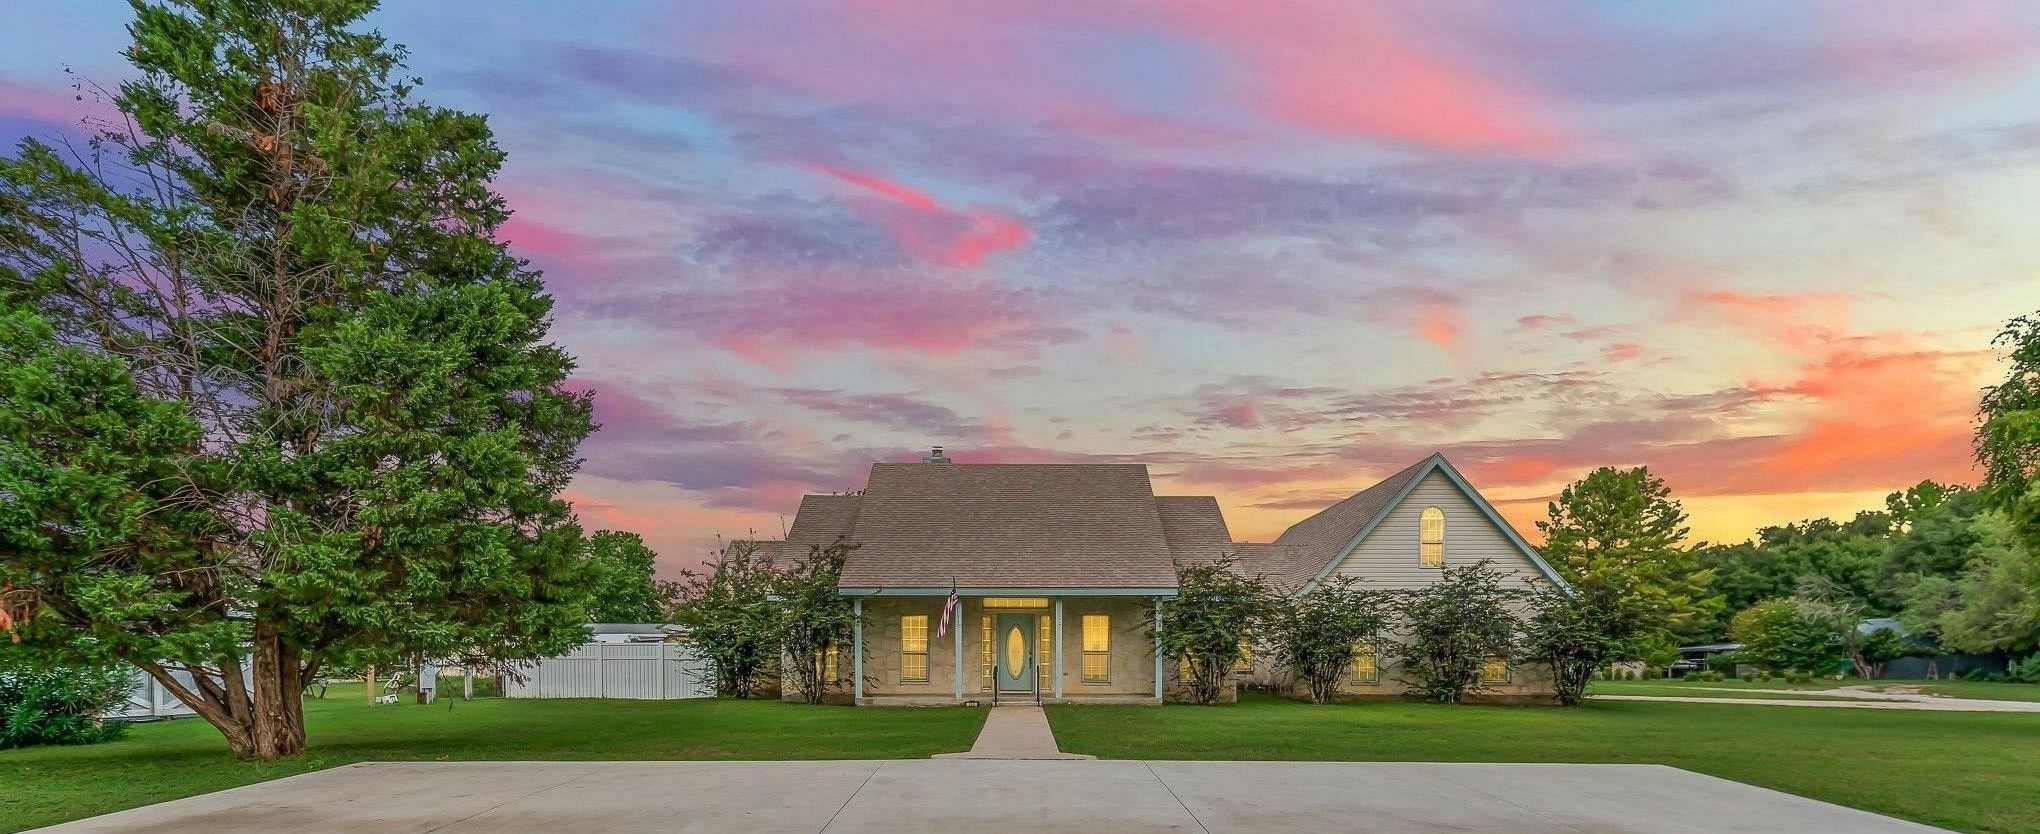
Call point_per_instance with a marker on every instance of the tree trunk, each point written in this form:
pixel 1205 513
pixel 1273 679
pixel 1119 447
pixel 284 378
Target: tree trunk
pixel 369 684
pixel 279 726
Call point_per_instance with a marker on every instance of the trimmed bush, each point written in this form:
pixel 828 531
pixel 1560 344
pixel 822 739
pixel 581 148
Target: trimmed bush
pixel 60 706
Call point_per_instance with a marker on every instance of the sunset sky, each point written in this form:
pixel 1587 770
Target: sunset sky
pixel 1275 251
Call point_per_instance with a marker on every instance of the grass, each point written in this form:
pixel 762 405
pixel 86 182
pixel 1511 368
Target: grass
pixel 1715 690
pixel 184 757
pixel 1966 771
pixel 1777 688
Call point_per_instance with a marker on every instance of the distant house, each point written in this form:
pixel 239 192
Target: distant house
pixel 1062 568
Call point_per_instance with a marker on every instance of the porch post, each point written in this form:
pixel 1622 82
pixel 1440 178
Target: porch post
pixel 857 649
pixel 1057 675
pixel 1158 648
pixel 956 630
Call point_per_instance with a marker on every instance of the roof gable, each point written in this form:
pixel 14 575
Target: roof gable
pixel 1363 512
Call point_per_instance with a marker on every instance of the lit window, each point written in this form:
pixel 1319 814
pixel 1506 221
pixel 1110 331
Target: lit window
pixel 1495 670
pixel 1097 648
pixel 1246 661
pixel 1431 547
pixel 914 648
pixel 985 651
pixel 1016 602
pixel 1044 646
pixel 1366 670
pixel 829 665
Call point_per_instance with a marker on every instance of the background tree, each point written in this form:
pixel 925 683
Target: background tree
pixel 1777 635
pixel 1314 636
pixel 1992 605
pixel 730 618
pixel 2008 441
pixel 1217 612
pixel 1451 628
pixel 280 241
pixel 1823 602
pixel 1618 537
pixel 626 586
pixel 1935 541
pixel 810 617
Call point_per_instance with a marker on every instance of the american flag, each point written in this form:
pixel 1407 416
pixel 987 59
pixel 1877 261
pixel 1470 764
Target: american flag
pixel 948 607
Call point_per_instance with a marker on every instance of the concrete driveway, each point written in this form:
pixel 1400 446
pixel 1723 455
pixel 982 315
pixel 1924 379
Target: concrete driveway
pixel 991 796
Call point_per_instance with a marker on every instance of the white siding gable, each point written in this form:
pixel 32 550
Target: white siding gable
pixel 1387 557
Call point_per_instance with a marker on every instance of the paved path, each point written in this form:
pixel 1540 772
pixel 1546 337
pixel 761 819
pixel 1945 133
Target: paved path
pixel 1014 732
pixel 1927 703
pixel 992 796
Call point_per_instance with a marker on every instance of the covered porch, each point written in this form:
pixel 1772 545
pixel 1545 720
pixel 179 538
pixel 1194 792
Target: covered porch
pixel 1005 645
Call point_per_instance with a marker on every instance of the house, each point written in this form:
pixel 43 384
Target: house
pixel 1062 568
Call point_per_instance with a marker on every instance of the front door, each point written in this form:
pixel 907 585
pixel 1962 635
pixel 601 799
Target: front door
pixel 1013 652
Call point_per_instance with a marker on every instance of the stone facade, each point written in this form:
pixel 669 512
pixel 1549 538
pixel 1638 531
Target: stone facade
pixel 1129 669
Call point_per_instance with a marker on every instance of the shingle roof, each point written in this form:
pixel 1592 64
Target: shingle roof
pixel 1269 561
pixel 1315 541
pixel 823 519
pixel 1194 527
pixel 930 525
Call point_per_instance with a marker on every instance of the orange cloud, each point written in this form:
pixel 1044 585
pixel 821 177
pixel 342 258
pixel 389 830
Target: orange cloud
pixel 1441 323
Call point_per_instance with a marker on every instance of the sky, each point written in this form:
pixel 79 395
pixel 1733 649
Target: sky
pixel 1275 251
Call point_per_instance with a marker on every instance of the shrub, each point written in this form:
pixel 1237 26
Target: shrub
pixel 1799 678
pixel 61 705
pixel 1722 662
pixel 1454 626
pixel 1749 677
pixel 2024 671
pixel 1317 635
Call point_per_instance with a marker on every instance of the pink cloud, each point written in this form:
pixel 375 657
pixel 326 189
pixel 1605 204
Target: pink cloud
pixel 61 108
pixel 1622 352
pixel 1336 68
pixel 931 231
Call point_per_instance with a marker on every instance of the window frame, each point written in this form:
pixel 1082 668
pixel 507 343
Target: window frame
pixel 1431 549
pixel 1103 656
pixel 907 653
pixel 1508 669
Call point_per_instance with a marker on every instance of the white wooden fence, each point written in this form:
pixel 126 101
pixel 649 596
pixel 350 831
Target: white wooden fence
pixel 651 671
pixel 149 699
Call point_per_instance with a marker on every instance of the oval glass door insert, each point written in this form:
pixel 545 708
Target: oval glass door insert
pixel 1016 652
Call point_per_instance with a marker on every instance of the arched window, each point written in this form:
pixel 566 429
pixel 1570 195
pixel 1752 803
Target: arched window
pixel 1431 545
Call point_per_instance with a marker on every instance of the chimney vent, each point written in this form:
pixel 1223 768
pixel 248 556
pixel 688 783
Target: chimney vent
pixel 935 456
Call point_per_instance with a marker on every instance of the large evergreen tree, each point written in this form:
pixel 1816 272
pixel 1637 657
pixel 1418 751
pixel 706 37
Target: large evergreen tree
pixel 1618 536
pixel 281 242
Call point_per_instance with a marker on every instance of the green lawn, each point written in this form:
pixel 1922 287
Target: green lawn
pixel 172 759
pixel 1673 688
pixel 1767 689
pixel 1966 771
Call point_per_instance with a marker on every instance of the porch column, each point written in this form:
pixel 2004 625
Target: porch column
pixel 857 649
pixel 1158 648
pixel 1057 675
pixel 956 630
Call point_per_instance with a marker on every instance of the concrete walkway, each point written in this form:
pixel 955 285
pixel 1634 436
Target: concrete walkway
pixel 1014 732
pixel 1926 703
pixel 990 796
